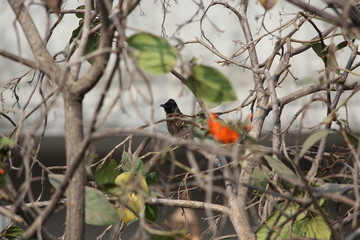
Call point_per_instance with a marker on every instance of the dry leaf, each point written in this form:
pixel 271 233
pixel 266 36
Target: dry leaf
pixel 268 4
pixel 54 5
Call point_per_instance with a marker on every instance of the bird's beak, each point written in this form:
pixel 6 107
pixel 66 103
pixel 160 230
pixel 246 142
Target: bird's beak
pixel 162 105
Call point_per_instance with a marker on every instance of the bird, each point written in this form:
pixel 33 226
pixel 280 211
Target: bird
pixel 179 127
pixel 177 124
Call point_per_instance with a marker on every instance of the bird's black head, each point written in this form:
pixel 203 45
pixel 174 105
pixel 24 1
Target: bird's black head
pixel 170 106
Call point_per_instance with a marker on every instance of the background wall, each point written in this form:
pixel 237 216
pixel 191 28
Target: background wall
pixel 131 110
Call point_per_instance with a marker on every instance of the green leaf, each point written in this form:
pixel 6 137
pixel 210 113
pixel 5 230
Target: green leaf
pixel 112 189
pixel 151 178
pixel 56 180
pixel 259 176
pixel 299 228
pixel 317 228
pixel 12 232
pixel 80 15
pixel 341 45
pixel 93 42
pixel 209 105
pixel 98 210
pixel 6 142
pixel 327 54
pixel 280 168
pixel 288 230
pixel 277 218
pixel 354 140
pixel 210 84
pixel 107 173
pixel 319 49
pixel 131 163
pixel 151 213
pixel 155 55
pixel 302 225
pixel 334 188
pixel 75 33
pixel 92 45
pixel 322 51
pixel 311 140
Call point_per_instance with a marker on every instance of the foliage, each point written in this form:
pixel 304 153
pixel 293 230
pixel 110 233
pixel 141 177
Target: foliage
pixel 302 224
pixel 107 173
pixel 98 211
pixel 11 232
pixel 208 83
pixel 155 55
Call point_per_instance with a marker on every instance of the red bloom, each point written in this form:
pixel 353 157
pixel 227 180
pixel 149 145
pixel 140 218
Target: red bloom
pixel 221 132
pixel 2 171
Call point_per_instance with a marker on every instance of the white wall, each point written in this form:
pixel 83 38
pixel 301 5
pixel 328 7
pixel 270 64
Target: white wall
pixel 149 18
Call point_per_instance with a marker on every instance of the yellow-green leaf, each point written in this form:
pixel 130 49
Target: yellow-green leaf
pixel 98 210
pixel 12 232
pixel 302 225
pixel 154 54
pixel 280 168
pixel 311 140
pixel 6 142
pixel 278 218
pixel 56 180
pixel 317 228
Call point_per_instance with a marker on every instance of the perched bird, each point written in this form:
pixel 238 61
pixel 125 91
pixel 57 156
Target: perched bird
pixel 177 126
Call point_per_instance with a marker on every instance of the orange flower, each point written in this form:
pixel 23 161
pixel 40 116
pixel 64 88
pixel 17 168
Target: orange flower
pixel 221 132
pixel 2 171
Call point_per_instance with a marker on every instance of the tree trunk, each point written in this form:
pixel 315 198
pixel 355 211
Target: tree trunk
pixel 75 194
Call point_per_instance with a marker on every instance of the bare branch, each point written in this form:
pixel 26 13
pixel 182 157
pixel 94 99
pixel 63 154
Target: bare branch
pixel 88 81
pixel 188 204
pixel 319 12
pixel 43 58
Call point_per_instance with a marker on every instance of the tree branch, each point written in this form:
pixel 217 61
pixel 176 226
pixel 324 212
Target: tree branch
pixel 188 204
pixel 42 218
pixel 19 59
pixel 319 12
pixel 89 80
pixel 44 60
